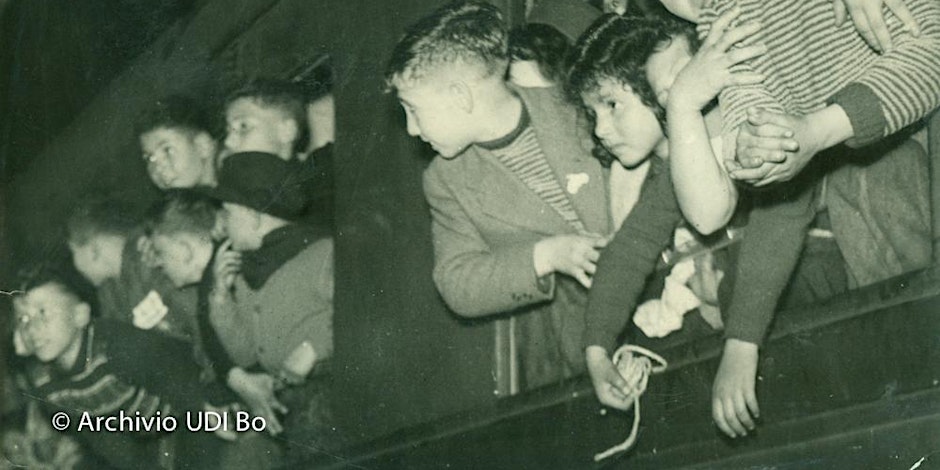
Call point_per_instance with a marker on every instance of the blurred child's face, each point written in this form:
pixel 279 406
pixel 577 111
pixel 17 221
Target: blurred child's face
pixel 526 73
pixel 90 261
pixel 242 226
pixel 688 10
pixel 183 257
pixel 253 127
pixel 664 66
pixel 51 322
pixel 177 159
pixel 434 114
pixel 624 125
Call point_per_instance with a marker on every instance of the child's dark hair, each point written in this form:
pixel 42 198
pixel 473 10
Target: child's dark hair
pixel 617 48
pixel 176 112
pixel 470 31
pixel 43 273
pixel 182 211
pixel 544 44
pixel 100 215
pixel 285 96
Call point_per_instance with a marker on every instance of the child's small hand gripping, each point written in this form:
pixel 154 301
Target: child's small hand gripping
pixel 710 69
pixel 734 401
pixel 227 265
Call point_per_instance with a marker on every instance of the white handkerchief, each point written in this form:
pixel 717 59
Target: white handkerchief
pixel 575 181
pixel 149 312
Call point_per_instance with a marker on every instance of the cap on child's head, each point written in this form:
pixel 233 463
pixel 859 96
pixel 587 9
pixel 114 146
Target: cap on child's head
pixel 263 182
pixel 471 32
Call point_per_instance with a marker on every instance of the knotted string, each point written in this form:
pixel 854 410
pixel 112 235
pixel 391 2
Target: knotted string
pixel 634 361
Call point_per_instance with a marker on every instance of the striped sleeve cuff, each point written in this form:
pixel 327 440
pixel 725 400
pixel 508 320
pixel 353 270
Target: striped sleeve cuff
pixel 863 108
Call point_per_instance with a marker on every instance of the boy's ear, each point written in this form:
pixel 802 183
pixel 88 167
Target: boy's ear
pixel 187 244
pixel 288 131
pixel 462 95
pixel 81 314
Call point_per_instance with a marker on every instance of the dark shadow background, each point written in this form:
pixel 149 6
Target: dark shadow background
pixel 74 76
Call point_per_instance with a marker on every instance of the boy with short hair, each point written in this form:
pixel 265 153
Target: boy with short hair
pixel 272 299
pixel 104 368
pixel 267 115
pixel 518 203
pixel 177 146
pixel 103 237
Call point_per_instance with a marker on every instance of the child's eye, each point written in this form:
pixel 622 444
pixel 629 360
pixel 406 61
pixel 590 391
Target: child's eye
pixel 613 104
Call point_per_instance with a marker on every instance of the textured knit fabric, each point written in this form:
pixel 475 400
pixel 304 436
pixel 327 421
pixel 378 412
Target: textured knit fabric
pixel 523 156
pixel 264 326
pixel 629 259
pixel 811 62
pixel 486 221
pixel 122 368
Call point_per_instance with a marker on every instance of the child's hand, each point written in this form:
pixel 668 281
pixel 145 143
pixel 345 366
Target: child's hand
pixel 221 432
pixel 762 142
pixel 611 388
pixel 709 71
pixel 813 133
pixel 734 401
pixel 870 21
pixel 257 392
pixel 227 265
pixel 574 255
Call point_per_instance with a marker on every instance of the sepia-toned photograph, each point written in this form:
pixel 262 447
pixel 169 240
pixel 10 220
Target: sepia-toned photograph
pixel 470 234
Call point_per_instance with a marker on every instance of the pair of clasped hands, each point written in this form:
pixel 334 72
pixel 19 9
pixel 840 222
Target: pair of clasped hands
pixel 770 148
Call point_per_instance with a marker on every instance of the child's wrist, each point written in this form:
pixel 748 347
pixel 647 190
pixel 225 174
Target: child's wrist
pixel 831 126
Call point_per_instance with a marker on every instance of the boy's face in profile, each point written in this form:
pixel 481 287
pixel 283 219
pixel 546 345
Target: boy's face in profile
pixel 183 257
pixel 89 261
pixel 175 158
pixel 436 114
pixel 242 226
pixel 253 127
pixel 624 125
pixel 51 322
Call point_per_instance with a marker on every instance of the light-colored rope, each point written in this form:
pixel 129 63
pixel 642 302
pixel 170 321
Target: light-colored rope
pixel 634 362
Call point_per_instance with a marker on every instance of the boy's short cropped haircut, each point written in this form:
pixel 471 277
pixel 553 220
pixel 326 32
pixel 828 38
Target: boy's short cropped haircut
pixel 100 215
pixel 177 112
pixel 469 31
pixel 282 95
pixel 43 273
pixel 617 48
pixel 544 44
pixel 182 211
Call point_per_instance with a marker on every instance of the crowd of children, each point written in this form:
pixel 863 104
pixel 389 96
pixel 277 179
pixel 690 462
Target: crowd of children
pixel 564 171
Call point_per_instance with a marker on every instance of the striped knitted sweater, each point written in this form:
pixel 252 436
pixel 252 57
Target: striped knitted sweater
pixel 811 63
pixel 122 368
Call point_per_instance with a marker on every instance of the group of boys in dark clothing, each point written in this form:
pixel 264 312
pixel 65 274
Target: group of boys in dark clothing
pixel 554 208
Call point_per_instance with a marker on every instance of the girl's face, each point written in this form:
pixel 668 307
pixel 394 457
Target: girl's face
pixel 626 127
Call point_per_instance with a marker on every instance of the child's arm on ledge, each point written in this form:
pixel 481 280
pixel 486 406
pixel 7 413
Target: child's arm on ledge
pixel 734 401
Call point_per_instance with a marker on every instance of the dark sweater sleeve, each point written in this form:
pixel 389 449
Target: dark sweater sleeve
pixel 630 258
pixel 160 364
